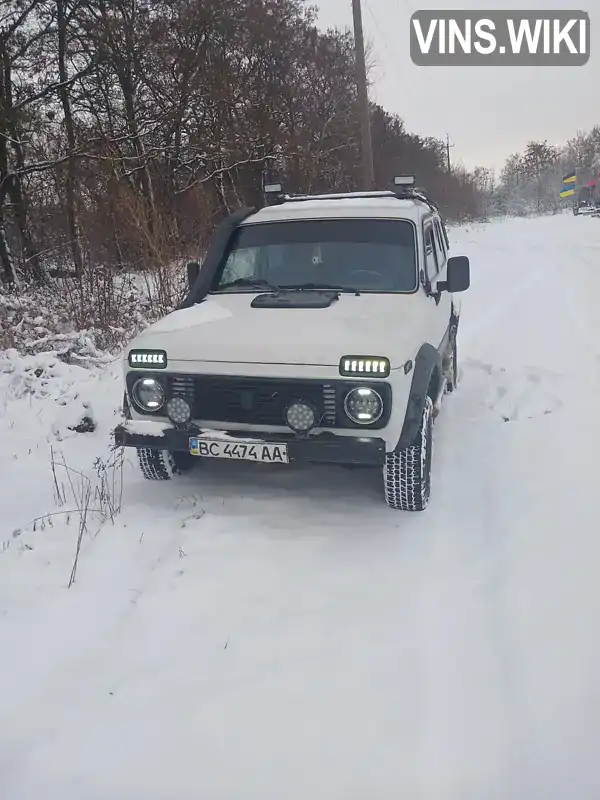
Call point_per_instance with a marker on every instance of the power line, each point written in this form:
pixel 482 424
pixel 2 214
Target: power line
pixel 361 79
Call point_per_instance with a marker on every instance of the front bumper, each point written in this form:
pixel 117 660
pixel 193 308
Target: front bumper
pixel 323 448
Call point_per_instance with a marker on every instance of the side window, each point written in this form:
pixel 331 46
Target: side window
pixel 431 256
pixel 440 242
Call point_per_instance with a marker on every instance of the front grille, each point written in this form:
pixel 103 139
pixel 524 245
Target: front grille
pixel 257 401
pixel 262 401
pixel 182 386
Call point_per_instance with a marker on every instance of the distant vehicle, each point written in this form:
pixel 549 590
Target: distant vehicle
pixel 586 199
pixel 319 329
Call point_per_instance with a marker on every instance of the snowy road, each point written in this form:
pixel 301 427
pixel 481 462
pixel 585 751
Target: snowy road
pixel 257 634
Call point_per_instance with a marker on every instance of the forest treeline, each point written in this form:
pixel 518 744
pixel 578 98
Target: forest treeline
pixel 129 127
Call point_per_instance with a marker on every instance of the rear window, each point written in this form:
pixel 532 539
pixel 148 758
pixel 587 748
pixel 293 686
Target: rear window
pixel 374 255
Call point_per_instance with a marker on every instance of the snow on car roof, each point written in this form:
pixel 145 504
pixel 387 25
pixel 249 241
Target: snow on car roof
pixel 375 204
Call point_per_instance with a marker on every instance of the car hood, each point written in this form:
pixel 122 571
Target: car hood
pixel 228 329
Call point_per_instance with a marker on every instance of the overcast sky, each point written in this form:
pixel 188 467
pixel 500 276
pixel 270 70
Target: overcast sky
pixel 489 112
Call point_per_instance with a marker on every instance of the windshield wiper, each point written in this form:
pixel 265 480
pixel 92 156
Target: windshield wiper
pixel 259 283
pixel 252 283
pixel 317 286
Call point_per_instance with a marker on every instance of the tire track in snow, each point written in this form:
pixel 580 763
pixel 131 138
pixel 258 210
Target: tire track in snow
pixel 474 328
pixel 488 545
pixel 478 703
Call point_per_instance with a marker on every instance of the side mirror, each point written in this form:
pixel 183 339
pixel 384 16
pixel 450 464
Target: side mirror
pixel 458 277
pixel 193 270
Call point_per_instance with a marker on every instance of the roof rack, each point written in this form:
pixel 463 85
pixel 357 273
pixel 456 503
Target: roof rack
pixel 403 189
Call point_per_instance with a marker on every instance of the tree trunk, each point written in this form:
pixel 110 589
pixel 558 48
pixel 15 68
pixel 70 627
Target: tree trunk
pixel 141 158
pixel 7 267
pixel 65 100
pixel 9 178
pixel 33 265
pixel 8 273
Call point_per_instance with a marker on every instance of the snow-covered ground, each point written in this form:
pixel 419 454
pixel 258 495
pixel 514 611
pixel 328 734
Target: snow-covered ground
pixel 249 633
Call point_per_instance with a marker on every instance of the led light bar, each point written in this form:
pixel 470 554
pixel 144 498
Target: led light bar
pixel 273 188
pixel 375 366
pixel 404 180
pixel 147 359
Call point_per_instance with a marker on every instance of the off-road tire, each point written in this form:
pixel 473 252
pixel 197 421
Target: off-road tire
pixel 162 465
pixel 407 474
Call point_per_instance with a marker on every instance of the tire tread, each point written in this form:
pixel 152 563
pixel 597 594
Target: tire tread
pixel 156 465
pixel 405 474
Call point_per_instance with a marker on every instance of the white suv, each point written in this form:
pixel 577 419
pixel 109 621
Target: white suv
pixel 318 329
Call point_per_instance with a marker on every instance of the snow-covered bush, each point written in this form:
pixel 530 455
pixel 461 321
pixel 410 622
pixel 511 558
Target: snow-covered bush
pixel 85 321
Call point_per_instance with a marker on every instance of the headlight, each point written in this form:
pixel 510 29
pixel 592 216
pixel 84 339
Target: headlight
pixel 148 359
pixel 363 406
pixel 378 366
pixel 148 394
pixel 178 410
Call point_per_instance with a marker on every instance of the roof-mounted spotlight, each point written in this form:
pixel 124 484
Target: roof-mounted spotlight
pixel 404 180
pixel 272 189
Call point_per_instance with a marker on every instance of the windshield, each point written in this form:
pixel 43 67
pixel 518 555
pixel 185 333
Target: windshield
pixel 376 255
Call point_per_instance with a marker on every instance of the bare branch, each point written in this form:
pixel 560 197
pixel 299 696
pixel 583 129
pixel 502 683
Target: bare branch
pixel 52 88
pixel 222 170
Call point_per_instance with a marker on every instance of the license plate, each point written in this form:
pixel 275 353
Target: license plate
pixel 239 450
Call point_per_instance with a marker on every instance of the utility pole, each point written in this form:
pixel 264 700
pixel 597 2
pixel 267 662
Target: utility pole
pixel 448 146
pixel 363 98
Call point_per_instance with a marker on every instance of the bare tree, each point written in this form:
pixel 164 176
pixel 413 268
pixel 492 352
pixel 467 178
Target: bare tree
pixel 128 127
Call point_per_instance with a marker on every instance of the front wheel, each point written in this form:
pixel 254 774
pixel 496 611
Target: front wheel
pixel 407 473
pixel 161 465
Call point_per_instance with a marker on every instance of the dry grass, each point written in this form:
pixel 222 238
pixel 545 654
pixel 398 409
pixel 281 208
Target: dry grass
pixel 91 502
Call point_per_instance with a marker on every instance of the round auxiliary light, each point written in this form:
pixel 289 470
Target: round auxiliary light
pixel 363 406
pixel 300 417
pixel 148 394
pixel 178 410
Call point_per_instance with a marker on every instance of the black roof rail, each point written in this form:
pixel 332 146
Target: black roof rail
pixel 416 194
pixel 403 189
pixel 302 198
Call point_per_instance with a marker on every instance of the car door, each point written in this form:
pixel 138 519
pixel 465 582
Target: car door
pixel 452 301
pixel 436 259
